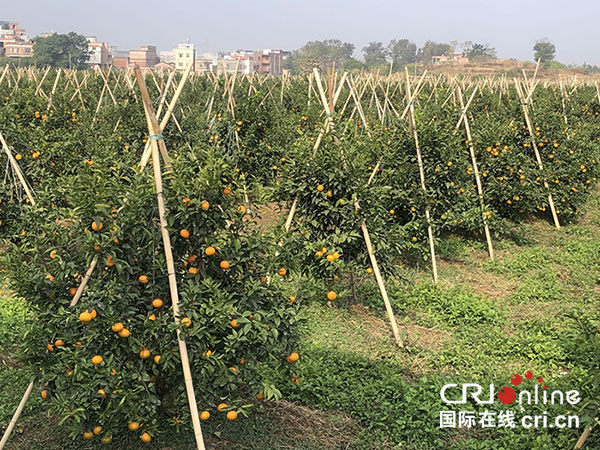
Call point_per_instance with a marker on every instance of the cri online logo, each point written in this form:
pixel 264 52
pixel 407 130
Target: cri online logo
pixel 507 394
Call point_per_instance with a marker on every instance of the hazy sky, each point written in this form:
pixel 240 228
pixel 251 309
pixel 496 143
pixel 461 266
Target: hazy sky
pixel 511 26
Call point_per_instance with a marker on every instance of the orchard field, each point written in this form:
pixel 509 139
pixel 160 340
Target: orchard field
pixel 323 253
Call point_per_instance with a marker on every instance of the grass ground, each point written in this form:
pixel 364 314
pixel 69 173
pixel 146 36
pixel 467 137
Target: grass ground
pixel 483 322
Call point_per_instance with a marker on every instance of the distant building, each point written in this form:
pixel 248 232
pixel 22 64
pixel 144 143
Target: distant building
pixel 18 49
pixel 455 58
pixel 164 66
pixel 185 54
pixel 12 29
pixel 118 58
pixel 268 62
pixel 13 41
pixel 167 56
pixel 205 64
pixel 99 54
pixel 145 57
pixel 233 63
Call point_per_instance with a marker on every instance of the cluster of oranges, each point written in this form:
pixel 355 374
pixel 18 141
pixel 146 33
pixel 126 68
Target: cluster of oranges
pixel 330 257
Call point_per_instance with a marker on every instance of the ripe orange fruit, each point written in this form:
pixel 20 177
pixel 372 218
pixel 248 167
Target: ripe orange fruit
pixel 241 209
pixel 157 359
pixel 157 303
pixel 106 440
pixel 88 435
pixel 97 430
pixel 144 353
pixel 133 426
pixel 204 415
pixel 72 291
pixel 145 438
pixel 293 357
pixel 117 326
pixel 331 295
pixel 44 394
pixel 221 406
pixel 85 316
pixel 210 251
pixel 260 396
pixel 330 258
pixel 320 188
pixel 124 333
pixel 193 270
pixel 186 201
pixel 204 205
pixel 102 392
pixel 109 261
pixel 232 415
pixel 192 259
pixel 59 343
pixel 234 323
pixel 53 254
pixel 186 321
pixel 50 348
pixel 152 317
pixel 93 313
pixel 225 265
pixel 369 270
pixel 97 226
pixel 96 360
pixel 184 233
pixel 282 271
pixel 143 279
pixel 226 191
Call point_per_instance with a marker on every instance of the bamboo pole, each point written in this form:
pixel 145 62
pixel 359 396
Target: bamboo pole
pixel 486 228
pixel 84 282
pixel 538 158
pixel 16 416
pixel 168 113
pixel 17 169
pixel 155 130
pixel 381 284
pixel 580 442
pixel 413 127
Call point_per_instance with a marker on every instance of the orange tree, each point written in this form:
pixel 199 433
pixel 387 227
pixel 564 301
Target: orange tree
pixel 333 197
pixel 110 365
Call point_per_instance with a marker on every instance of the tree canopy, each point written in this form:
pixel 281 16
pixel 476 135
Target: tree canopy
pixel 402 52
pixel 321 54
pixel 61 50
pixel 480 52
pixel 431 49
pixel 544 50
pixel 375 54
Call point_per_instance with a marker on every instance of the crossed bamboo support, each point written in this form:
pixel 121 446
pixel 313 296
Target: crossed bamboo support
pixel 155 137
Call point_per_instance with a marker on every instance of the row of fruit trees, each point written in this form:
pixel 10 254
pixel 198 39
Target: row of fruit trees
pixel 123 266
